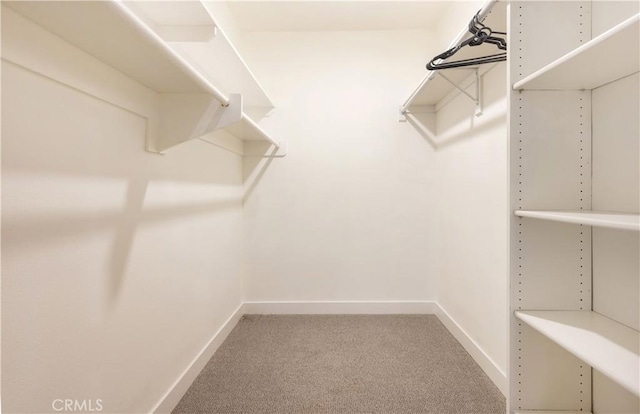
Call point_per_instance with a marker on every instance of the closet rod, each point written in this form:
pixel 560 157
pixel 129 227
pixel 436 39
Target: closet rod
pixel 186 67
pixel 486 8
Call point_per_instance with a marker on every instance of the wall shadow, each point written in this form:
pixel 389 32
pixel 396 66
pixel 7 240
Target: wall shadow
pixel 62 145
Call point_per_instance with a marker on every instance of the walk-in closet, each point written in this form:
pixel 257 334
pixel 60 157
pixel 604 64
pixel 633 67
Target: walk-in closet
pixel 325 206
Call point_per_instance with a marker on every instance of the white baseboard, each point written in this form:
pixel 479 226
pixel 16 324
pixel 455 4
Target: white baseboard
pixel 169 401
pixel 490 368
pixel 336 308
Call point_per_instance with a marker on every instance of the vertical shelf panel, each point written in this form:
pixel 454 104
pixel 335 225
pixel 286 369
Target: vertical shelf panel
pixel 553 150
pixel 550 169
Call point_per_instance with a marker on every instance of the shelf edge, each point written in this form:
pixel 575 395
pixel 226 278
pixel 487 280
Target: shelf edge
pixel 237 53
pixel 521 84
pixel 622 333
pixel 486 8
pixel 557 215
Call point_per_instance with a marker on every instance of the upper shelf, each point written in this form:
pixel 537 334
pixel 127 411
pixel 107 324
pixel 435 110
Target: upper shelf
pixel 437 87
pixel 121 38
pixel 433 88
pixel 606 345
pixel 606 58
pixel 192 32
pixel 623 221
pixel 103 29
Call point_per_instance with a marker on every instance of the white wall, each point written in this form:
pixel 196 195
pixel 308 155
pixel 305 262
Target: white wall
pixel 472 195
pixel 472 198
pixel 118 265
pixel 363 208
pixel 349 214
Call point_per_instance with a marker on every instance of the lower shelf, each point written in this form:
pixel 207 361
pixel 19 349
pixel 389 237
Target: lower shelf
pixel 623 221
pixel 551 412
pixel 606 345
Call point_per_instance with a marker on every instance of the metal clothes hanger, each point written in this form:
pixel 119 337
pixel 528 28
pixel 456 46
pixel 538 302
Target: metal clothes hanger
pixel 481 34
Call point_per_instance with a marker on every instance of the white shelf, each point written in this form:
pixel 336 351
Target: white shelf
pixel 604 344
pixel 103 30
pixel 551 412
pixel 438 87
pixel 210 52
pixel 218 61
pixel 433 87
pixel 249 130
pixel 623 221
pixel 606 58
pixel 120 38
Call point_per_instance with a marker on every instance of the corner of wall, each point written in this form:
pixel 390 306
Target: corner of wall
pixel 488 365
pixel 172 397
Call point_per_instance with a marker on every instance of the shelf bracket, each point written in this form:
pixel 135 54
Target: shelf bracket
pixel 185 116
pixel 476 99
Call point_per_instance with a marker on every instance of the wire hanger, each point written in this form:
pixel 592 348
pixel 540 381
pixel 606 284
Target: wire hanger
pixel 481 34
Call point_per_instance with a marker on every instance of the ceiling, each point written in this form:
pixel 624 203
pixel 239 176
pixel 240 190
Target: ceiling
pixel 303 15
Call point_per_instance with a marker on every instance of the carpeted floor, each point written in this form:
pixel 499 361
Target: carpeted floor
pixel 341 364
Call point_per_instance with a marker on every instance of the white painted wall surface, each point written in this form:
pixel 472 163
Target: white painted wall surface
pixel 118 265
pixel 349 214
pixel 456 18
pixel 363 208
pixel 472 197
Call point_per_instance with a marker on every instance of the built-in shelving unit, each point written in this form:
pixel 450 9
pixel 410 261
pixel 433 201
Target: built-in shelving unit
pixel 610 56
pixel 438 87
pixel 603 343
pixel 574 336
pixel 208 96
pixel 623 221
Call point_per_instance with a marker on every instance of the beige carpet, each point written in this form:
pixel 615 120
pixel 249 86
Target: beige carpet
pixel 341 364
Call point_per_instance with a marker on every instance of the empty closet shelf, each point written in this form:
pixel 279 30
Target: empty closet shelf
pixel 614 220
pixel 191 30
pixel 437 85
pixel 121 36
pixel 606 345
pixel 108 31
pixel 610 56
